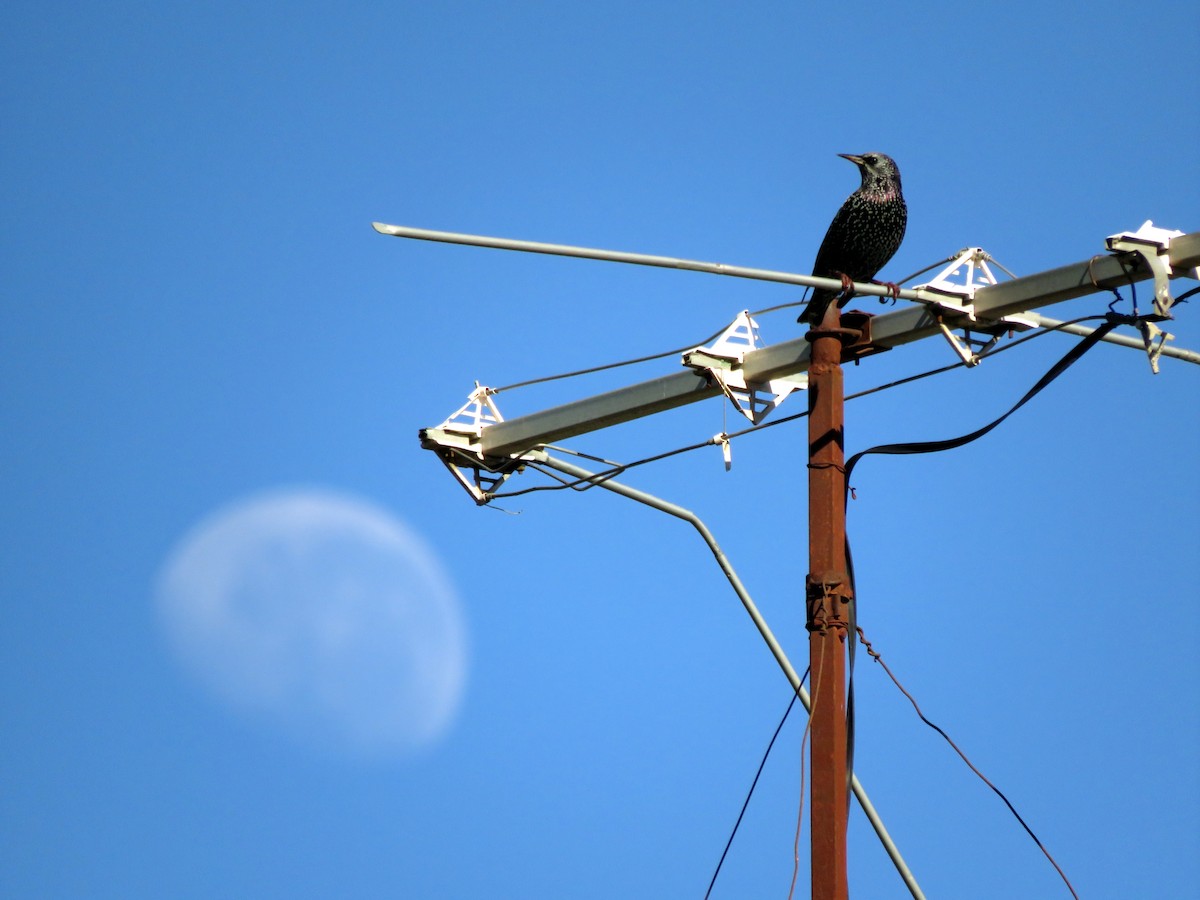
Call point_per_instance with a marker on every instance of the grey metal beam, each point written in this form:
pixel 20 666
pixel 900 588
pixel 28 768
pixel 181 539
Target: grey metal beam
pixel 623 405
pixel 1056 285
pixel 891 329
pixel 1184 252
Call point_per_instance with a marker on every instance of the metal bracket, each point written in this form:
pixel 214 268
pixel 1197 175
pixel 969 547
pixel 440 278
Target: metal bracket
pixel 978 274
pixel 722 440
pixel 970 265
pixel 723 363
pixel 970 349
pixel 1152 246
pixel 1153 338
pixel 456 443
pixel 826 596
pixel 476 414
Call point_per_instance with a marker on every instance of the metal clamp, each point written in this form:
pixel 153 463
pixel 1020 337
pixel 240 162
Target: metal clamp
pixel 826 597
pixel 1153 246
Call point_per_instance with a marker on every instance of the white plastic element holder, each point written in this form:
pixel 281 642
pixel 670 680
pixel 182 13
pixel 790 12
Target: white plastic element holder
pixel 477 413
pixel 723 363
pixel 457 444
pixel 968 272
pixel 978 274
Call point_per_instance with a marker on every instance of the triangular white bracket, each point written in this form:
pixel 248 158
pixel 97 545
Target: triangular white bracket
pixel 977 274
pixel 723 363
pixel 967 273
pixel 456 442
pixel 476 414
pixel 970 349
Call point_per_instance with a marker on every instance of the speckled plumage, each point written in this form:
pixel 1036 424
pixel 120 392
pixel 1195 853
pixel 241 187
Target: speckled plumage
pixel 865 233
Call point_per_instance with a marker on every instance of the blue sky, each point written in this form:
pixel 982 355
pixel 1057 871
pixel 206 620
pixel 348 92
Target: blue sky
pixel 196 311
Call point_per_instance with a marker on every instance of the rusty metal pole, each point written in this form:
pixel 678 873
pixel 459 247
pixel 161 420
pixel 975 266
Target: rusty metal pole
pixel 828 599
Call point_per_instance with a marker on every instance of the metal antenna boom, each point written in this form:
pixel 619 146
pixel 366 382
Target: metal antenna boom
pixel 638 259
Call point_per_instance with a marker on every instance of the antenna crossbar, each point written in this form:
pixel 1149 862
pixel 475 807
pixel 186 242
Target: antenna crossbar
pixel 989 304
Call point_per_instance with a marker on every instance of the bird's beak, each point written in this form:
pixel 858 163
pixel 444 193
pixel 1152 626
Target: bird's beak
pixel 857 160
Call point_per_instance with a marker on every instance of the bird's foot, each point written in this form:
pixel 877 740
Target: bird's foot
pixel 847 288
pixel 893 293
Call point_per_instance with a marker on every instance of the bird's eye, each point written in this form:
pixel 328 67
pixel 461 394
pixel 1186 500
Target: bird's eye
pixel 870 160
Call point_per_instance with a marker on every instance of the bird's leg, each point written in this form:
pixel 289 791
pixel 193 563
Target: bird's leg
pixel 847 288
pixel 893 290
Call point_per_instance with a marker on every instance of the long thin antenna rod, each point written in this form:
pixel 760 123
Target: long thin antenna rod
pixel 1054 286
pixel 760 623
pixel 638 259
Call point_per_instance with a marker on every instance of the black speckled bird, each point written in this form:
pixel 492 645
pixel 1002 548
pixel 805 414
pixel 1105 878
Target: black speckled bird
pixel 864 234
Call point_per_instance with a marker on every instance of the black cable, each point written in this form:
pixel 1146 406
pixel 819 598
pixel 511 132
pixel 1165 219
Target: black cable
pixel 592 480
pixel 1183 298
pixel 753 784
pixel 1111 321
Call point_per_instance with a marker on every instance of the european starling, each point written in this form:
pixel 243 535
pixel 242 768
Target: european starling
pixel 864 234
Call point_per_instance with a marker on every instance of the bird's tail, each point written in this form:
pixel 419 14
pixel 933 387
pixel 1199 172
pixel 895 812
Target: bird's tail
pixel 815 311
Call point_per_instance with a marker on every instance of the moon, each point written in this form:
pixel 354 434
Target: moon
pixel 321 614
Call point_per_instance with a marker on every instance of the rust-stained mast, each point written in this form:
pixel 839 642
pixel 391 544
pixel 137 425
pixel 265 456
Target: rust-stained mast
pixel 828 606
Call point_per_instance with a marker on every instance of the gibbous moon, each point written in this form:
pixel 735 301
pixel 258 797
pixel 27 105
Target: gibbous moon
pixel 322 614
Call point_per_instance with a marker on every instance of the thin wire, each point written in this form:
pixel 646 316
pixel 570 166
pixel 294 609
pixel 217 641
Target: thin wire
pixel 879 659
pixel 779 306
pixel 812 709
pixel 753 785
pixel 1003 268
pixel 640 359
pixel 584 484
pixel 606 366
pixel 931 267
